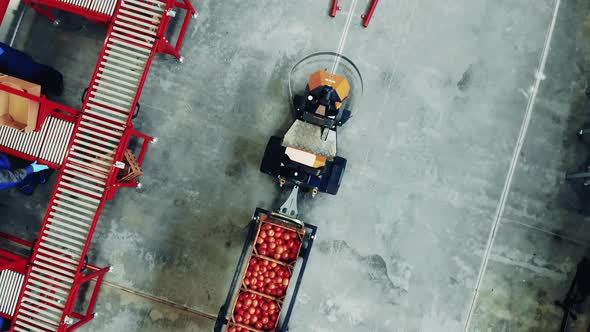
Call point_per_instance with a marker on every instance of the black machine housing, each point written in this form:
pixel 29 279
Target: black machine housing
pixel 306 105
pixel 325 179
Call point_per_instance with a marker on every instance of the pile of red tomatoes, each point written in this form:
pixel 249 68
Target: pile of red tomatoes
pixel 267 277
pixel 255 311
pixel 278 243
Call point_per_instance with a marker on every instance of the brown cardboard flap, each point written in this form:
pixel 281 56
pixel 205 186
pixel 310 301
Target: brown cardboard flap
pixel 16 111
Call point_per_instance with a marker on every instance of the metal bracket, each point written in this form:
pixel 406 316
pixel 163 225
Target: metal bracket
pixel 68 320
pixel 289 208
pixel 325 133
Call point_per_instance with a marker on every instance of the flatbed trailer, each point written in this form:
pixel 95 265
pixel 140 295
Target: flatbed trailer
pixel 227 319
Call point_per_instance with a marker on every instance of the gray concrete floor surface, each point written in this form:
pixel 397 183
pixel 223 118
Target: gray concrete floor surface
pixel 447 86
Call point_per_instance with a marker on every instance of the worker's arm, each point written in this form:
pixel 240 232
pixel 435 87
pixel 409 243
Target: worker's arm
pixel 10 178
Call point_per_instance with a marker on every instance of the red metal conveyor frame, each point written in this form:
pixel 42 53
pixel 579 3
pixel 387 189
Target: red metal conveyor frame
pixel 55 271
pixel 16 263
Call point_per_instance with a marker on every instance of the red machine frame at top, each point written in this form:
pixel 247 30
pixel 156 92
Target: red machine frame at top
pixel 44 7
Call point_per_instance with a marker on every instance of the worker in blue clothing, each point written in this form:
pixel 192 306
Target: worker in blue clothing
pixel 11 178
pixel 21 65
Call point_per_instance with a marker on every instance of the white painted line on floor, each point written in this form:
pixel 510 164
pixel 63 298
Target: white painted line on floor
pixel 344 36
pixel 560 236
pixel 539 76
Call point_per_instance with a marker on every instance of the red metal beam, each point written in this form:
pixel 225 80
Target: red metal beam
pixel 367 17
pixel 3 8
pixel 335 8
pixel 84 12
pixel 165 46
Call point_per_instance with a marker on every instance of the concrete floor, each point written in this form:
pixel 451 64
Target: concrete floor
pixel 400 247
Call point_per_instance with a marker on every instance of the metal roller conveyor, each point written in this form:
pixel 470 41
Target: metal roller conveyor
pixel 49 144
pixel 10 285
pixel 87 152
pixel 106 7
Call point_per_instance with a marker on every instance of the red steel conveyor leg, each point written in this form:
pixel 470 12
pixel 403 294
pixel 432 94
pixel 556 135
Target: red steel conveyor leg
pixel 3 9
pixel 335 8
pixel 367 17
pixel 45 12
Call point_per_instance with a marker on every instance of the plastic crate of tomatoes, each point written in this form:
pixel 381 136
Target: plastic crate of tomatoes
pixel 266 282
pixel 268 277
pixel 254 312
pixel 278 242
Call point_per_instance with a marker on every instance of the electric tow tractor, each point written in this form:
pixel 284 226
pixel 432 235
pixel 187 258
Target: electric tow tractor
pixel 278 245
pixel 307 156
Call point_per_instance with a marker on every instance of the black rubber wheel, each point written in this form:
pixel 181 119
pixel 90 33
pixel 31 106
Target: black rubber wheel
pixel 338 168
pixel 271 158
pixel 346 115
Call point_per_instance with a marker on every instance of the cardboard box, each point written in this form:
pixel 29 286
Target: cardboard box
pixel 16 111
